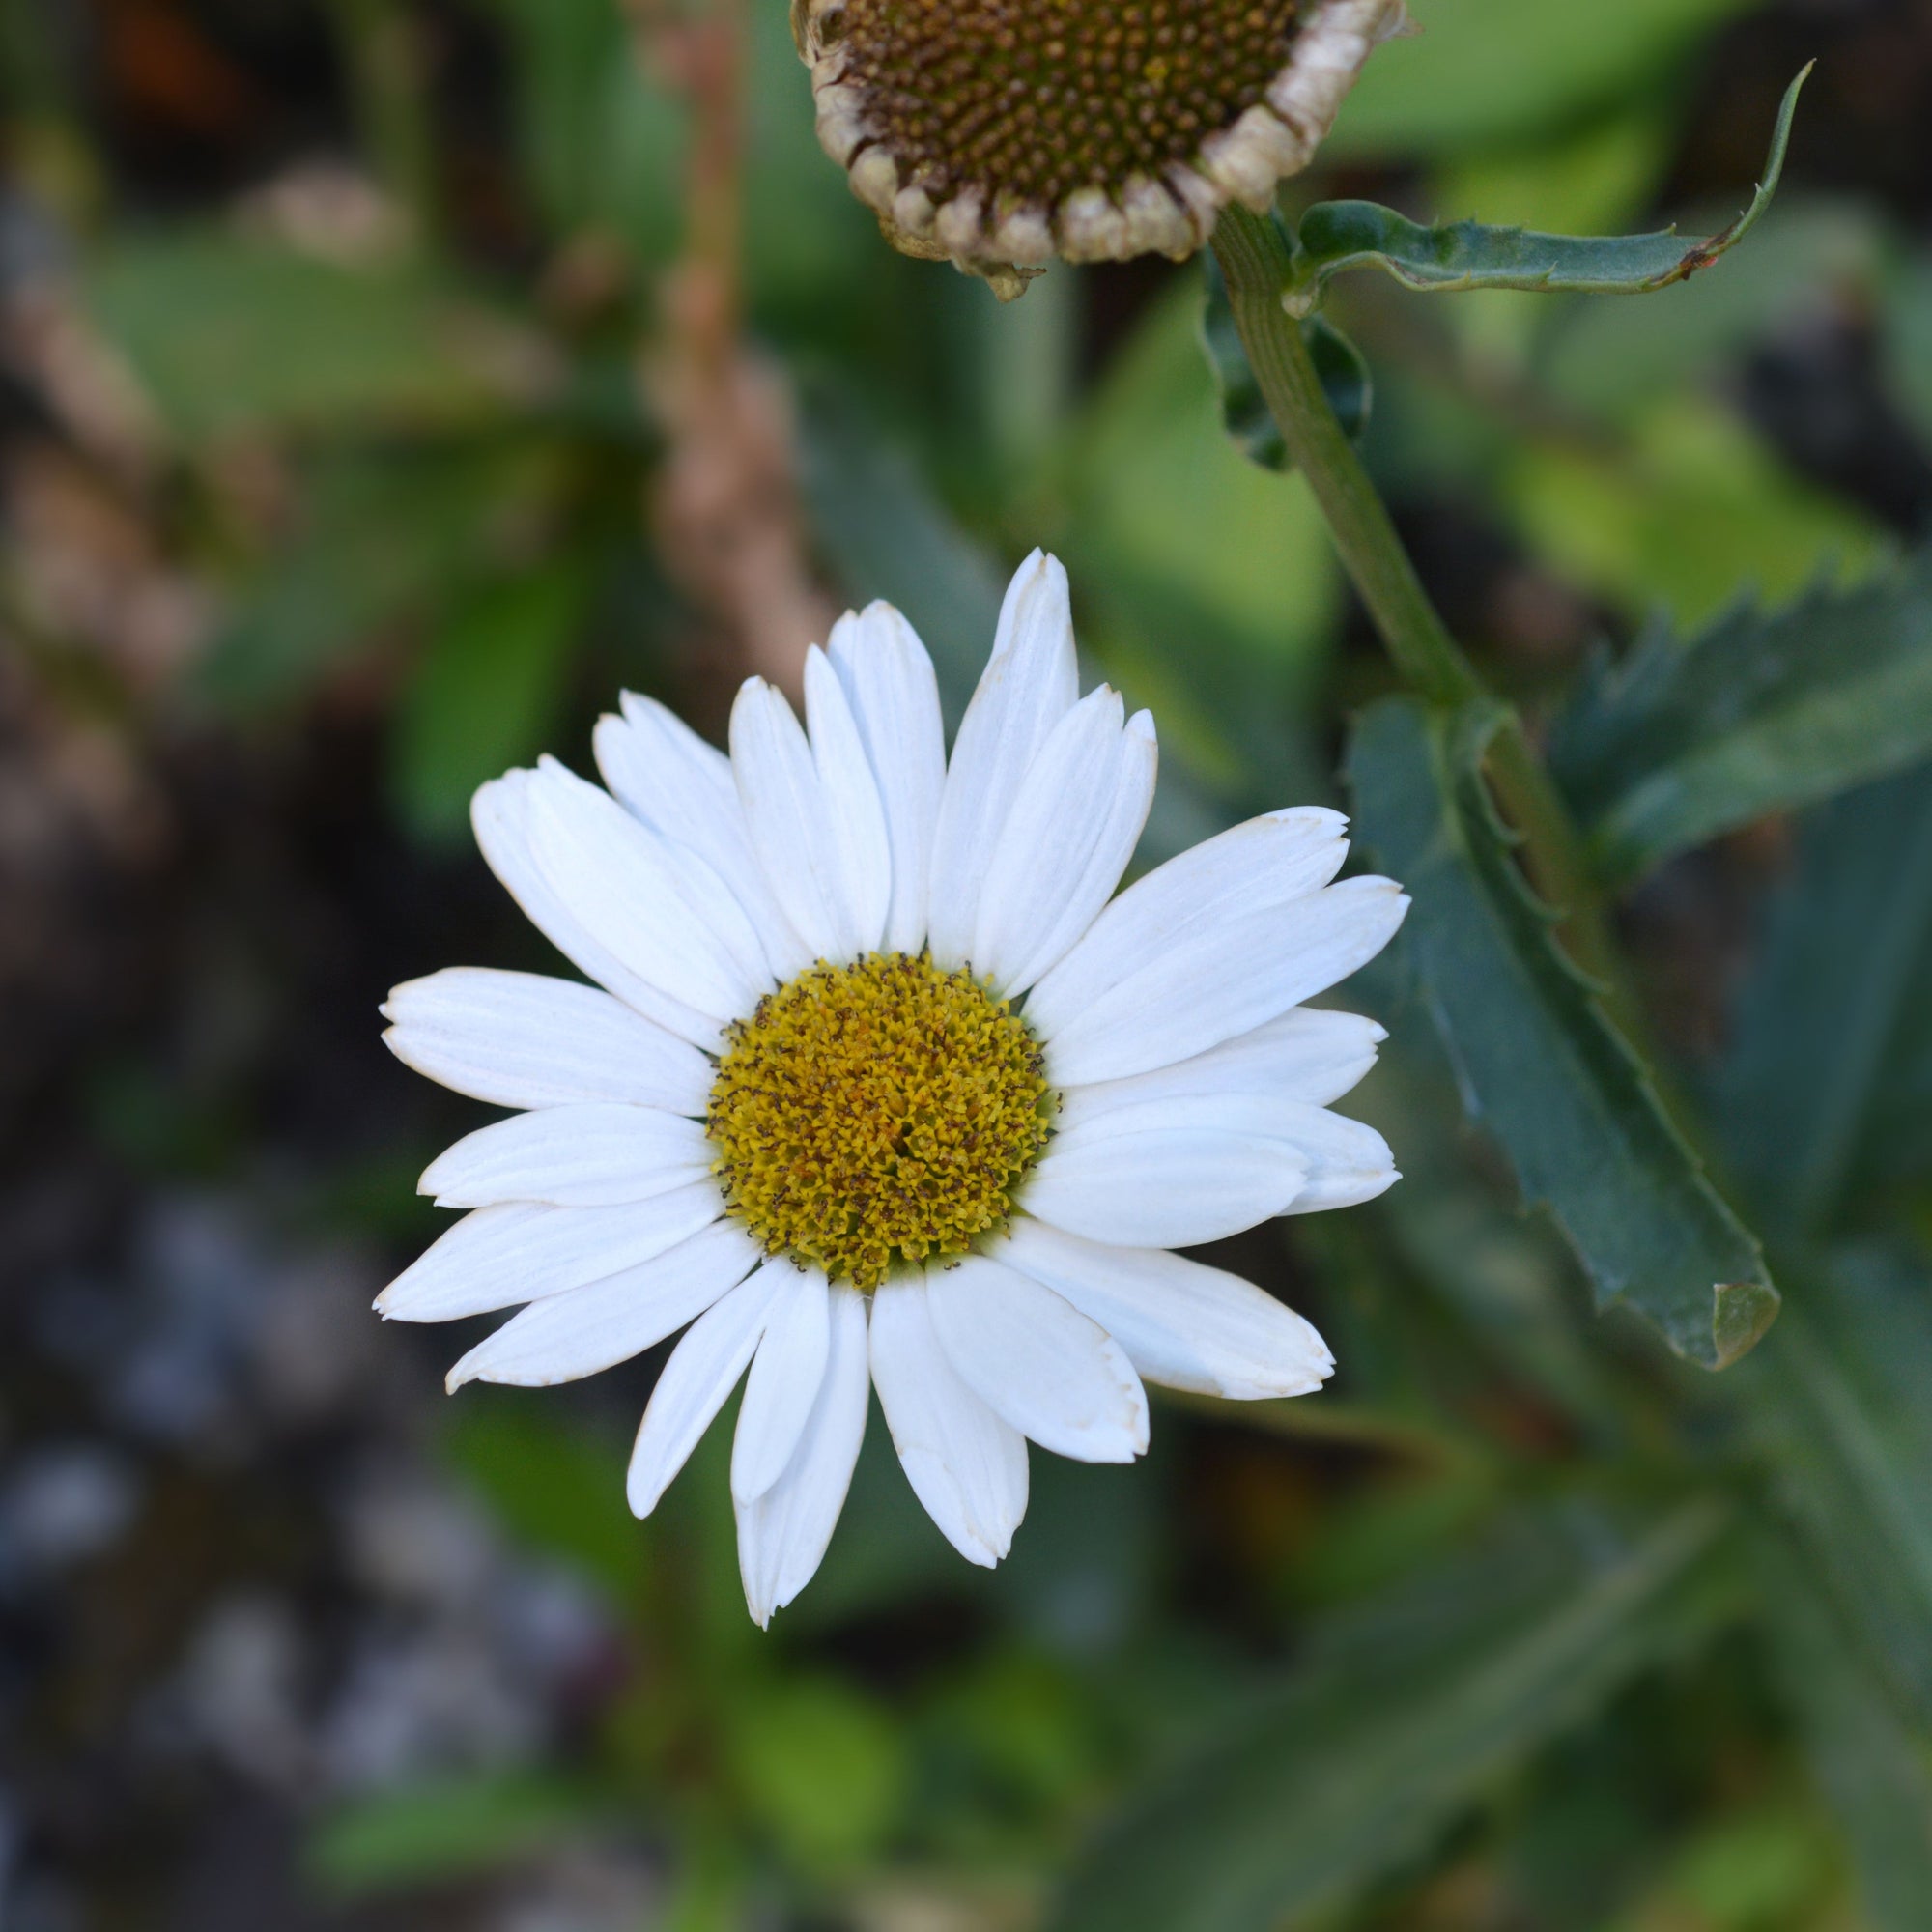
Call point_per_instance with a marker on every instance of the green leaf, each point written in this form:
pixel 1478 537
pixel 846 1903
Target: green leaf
pixel 1208 587
pixel 820 1765
pixel 1599 176
pixel 1172 519
pixel 553 1488
pixel 1494 73
pixel 885 535
pixel 230 335
pixel 1615 358
pixel 1537 1061
pixel 1673 515
pixel 1818 1021
pixel 1896 1148
pixel 1399 1720
pixel 810 248
pixel 451 1828
pixel 1772 1863
pixel 1844 1400
pixel 1873 1767
pixel 1760 713
pixel 1245 414
pixel 1155 490
pixel 600 137
pixel 488 692
pixel 1337 236
pixel 1906 340
pixel 384 537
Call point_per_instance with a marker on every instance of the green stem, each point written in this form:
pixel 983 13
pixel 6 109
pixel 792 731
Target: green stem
pixel 1255 260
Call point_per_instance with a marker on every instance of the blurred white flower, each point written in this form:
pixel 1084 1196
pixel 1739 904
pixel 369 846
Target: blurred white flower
pixel 884 1087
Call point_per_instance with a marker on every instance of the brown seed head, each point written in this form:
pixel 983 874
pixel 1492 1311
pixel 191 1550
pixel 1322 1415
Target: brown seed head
pixel 1000 133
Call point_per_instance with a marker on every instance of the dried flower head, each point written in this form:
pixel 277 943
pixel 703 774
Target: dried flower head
pixel 1000 133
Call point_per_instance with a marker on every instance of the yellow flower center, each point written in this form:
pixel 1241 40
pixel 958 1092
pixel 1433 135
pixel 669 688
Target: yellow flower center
pixel 878 1113
pixel 1037 98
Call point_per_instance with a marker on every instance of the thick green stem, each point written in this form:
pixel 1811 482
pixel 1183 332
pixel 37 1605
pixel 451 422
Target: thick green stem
pixel 1254 259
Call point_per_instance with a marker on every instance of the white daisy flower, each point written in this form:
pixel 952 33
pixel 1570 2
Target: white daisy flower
pixel 880 1085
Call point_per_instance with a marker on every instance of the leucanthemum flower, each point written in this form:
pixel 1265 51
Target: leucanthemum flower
pixel 1000 133
pixel 880 1085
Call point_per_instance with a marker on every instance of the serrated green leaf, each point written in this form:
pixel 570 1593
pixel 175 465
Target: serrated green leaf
pixel 1397 1722
pixel 1761 713
pixel 1245 412
pixel 1872 1766
pixel 230 335
pixel 1336 236
pixel 1818 1020
pixel 1539 1062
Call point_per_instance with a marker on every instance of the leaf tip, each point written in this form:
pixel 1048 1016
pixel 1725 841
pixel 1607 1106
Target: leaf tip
pixel 1742 1313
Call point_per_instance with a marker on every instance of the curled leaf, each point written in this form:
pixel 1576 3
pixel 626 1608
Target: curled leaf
pixel 1337 236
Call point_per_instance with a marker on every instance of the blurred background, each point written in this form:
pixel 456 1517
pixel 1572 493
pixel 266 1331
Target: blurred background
pixel 384 384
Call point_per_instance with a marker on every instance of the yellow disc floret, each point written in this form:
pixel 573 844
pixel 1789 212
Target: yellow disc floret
pixel 870 1114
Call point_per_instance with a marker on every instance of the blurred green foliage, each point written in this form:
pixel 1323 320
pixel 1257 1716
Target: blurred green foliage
pixel 1540 1625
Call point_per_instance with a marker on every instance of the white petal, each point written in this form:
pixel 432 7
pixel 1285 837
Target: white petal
pixel 660 909
pixel 1035 1360
pixel 966 1465
pixel 593 1328
pixel 500 1256
pixel 501 815
pixel 702 1372
pixel 590 1156
pixel 1341 1186
pixel 1263 863
pixel 1308 1054
pixel 1344 1161
pixel 854 816
pixel 1225 978
pixel 894 697
pixel 783 1383
pixel 789 820
pixel 522 1039
pixel 1182 1323
pixel 1167 1186
pixel 781 1537
pixel 1073 826
pixel 1030 681
pixel 663 772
